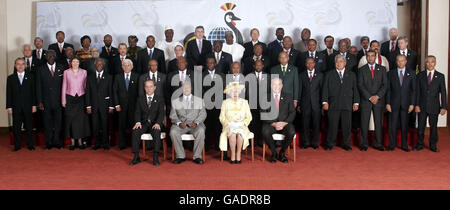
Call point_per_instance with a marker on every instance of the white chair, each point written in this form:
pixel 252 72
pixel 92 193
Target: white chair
pixel 188 137
pixel 280 137
pixel 148 137
pixel 251 137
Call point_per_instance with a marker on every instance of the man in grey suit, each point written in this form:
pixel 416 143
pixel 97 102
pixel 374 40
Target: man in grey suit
pixel 187 115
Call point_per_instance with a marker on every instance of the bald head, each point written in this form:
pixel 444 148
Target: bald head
pixel 283 58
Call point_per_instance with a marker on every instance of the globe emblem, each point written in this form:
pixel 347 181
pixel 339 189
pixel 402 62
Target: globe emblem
pixel 218 33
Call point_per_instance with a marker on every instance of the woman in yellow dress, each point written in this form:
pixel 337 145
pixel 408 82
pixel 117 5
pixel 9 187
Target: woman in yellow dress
pixel 235 117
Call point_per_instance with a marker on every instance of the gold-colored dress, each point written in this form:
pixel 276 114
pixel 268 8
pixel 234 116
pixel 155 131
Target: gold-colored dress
pixel 83 55
pixel 235 117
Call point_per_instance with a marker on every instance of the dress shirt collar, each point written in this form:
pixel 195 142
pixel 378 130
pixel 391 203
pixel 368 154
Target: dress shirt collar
pixel 101 73
pixel 50 66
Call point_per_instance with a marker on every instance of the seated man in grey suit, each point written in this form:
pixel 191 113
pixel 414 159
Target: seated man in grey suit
pixel 187 115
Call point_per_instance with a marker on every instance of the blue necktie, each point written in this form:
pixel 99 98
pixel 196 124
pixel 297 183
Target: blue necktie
pixel 127 81
pixel 150 54
pixel 20 78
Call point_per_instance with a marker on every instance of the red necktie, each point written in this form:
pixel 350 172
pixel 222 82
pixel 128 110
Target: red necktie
pixel 393 47
pixel 310 76
pixel 277 101
pixel 379 59
pixel 373 72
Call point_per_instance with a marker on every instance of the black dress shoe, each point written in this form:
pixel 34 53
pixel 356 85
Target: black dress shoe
pixel 71 147
pixel 105 147
pixel 347 148
pixel 390 148
pixel 238 162
pixel 58 146
pixel 315 147
pixel 273 159
pixel 31 148
pixel 406 149
pixel 135 161
pixel 225 156
pixel 232 161
pixel 156 162
pixel 435 150
pixel 363 149
pixel 179 160
pixel 198 161
pixel 96 147
pixel 419 148
pixel 121 148
pixel 304 147
pixel 328 148
pixel 16 149
pixel 379 148
pixel 283 158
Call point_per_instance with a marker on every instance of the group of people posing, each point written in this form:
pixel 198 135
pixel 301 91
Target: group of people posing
pixel 222 92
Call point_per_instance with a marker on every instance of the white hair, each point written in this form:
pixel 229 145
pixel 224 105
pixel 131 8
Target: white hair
pixel 126 60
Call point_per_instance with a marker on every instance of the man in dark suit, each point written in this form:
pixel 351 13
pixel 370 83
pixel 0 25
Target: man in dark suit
pixel 48 94
pixel 21 103
pixel 99 103
pixel 158 77
pixel 275 47
pixel 431 101
pixel 172 65
pixel 289 49
pixel 352 64
pixel 390 46
pixel 60 46
pixel 150 53
pixel 198 49
pixel 256 91
pixel 310 107
pixel 90 65
pixel 329 52
pixel 69 54
pixel 258 54
pixel 223 59
pixel 39 53
pixel 400 101
pixel 213 86
pixel 278 119
pixel 125 93
pixel 365 41
pixel 320 59
pixel 176 79
pixel 116 61
pixel 249 46
pixel 149 115
pixel 340 97
pixel 31 64
pixel 372 84
pixel 109 52
pixel 411 56
pixel 289 74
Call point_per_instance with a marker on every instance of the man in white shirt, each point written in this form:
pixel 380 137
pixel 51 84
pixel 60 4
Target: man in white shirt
pixel 236 50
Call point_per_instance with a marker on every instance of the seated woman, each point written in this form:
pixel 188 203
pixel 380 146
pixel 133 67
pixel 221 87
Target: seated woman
pixel 235 117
